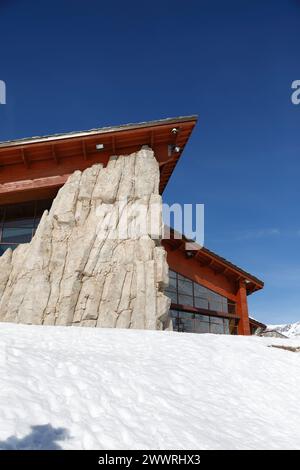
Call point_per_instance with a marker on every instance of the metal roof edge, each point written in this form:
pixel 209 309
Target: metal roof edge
pixel 100 130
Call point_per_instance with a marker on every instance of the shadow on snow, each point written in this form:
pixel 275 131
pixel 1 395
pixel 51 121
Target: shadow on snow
pixel 42 437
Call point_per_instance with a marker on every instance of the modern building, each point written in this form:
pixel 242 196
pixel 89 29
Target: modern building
pixel 256 327
pixel 208 293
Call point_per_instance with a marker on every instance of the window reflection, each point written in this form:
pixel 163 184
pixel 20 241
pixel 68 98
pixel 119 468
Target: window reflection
pixel 195 323
pixel 18 222
pixel 183 291
pixel 16 235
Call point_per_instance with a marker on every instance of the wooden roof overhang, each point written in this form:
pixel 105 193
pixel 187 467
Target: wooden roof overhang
pixel 257 323
pixel 47 161
pixel 219 265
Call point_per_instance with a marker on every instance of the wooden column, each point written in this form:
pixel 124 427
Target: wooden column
pixel 242 309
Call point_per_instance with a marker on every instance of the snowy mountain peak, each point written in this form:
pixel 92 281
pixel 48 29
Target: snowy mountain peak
pixel 289 330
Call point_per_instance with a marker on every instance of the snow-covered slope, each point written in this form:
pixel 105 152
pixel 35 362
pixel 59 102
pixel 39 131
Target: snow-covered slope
pixel 84 388
pixel 289 330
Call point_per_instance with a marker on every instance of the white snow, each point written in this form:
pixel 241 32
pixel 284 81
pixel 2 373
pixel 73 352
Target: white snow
pixel 290 329
pixel 84 388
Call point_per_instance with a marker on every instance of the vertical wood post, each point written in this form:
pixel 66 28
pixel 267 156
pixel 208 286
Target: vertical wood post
pixel 242 309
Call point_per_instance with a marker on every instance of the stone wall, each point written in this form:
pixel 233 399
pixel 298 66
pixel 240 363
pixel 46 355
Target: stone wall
pixel 85 265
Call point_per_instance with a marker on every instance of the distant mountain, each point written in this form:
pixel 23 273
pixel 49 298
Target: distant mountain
pixel 289 330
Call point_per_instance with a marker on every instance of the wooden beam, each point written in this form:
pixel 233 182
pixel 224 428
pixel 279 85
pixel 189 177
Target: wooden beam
pixel 242 309
pixel 113 144
pixel 203 311
pixel 7 189
pixel 24 158
pixel 170 160
pixel 152 139
pixel 206 262
pixel 84 150
pixel 54 155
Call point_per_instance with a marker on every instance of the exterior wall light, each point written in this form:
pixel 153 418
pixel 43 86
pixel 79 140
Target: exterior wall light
pixel 172 149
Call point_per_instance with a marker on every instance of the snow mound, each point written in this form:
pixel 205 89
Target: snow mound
pixel 290 330
pixel 84 388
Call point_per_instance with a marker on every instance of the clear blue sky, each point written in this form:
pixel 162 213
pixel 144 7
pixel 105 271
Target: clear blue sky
pixel 73 65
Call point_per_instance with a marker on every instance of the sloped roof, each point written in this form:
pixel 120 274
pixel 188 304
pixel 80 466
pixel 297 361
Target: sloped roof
pixel 37 157
pixel 98 130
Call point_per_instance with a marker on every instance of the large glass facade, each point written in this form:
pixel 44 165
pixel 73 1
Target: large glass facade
pixel 185 293
pixel 188 322
pixel 18 222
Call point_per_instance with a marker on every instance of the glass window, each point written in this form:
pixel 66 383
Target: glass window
pixel 18 222
pixel 173 313
pixel 215 302
pixel 172 284
pixel 185 287
pixel 36 222
pixel 186 321
pixel 203 318
pixel 216 320
pixel 185 292
pixel 233 326
pixel 201 327
pixel 3 247
pixel 196 323
pixel 217 328
pixel 231 307
pixel 185 299
pixel 183 278
pixel 41 206
pixel 184 314
pixel 16 235
pixel 21 215
pixel 2 212
pixel 226 326
pixel 199 290
pixel 224 305
pixel 172 295
pixel 201 303
pixel 196 295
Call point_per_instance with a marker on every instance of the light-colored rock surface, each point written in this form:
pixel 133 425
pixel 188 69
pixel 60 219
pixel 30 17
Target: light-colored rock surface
pixel 85 265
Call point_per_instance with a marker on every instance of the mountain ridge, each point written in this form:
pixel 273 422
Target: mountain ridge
pixel 289 329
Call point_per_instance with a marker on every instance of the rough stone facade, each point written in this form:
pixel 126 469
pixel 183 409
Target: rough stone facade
pixel 77 270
